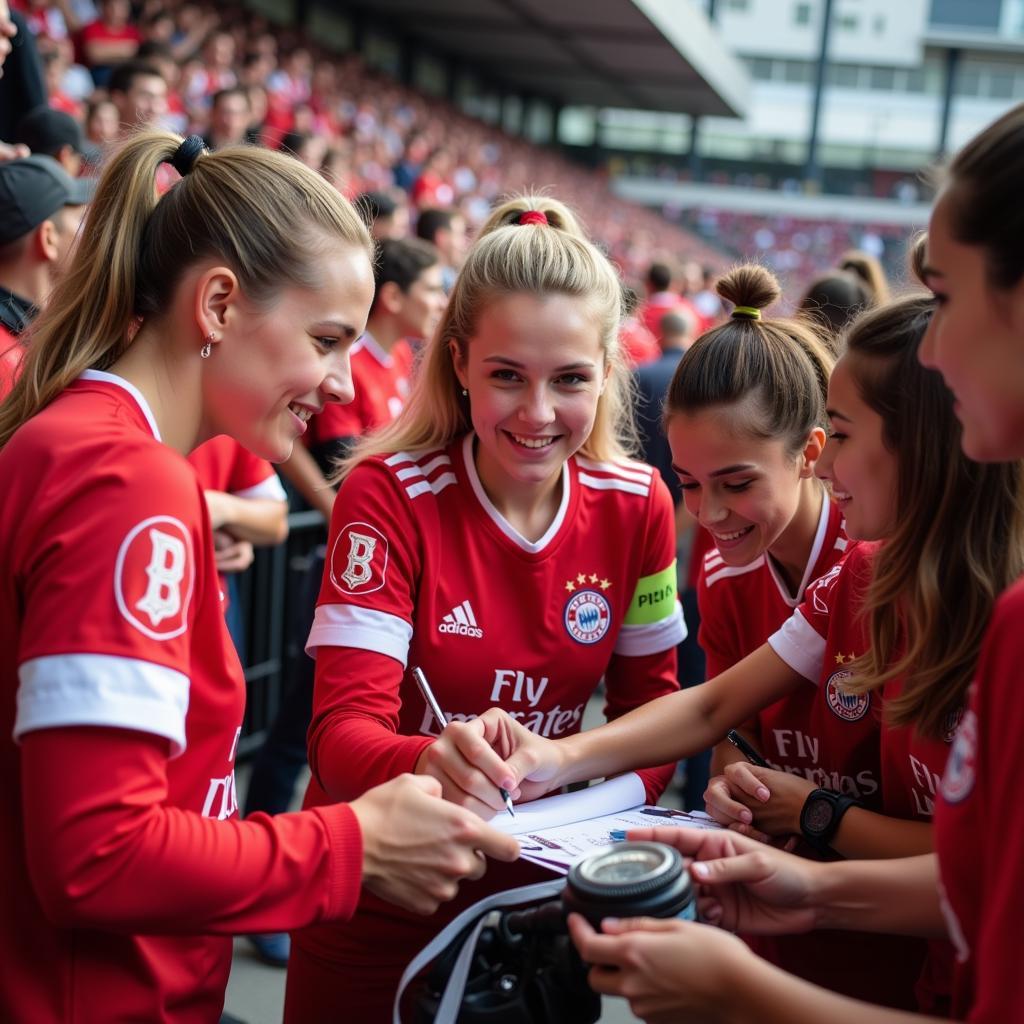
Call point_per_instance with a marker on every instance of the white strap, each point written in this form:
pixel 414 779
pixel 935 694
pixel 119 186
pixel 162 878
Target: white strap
pixel 451 998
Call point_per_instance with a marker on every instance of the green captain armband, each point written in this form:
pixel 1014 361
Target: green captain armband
pixel 654 599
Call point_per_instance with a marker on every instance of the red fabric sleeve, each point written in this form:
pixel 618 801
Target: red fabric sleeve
pixel 353 739
pixel 105 852
pixel 631 682
pixel 714 636
pixel 999 981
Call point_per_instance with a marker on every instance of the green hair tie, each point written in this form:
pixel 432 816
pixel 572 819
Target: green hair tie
pixel 747 312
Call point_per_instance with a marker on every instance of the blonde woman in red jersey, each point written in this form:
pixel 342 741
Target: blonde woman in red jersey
pixel 227 306
pixel 498 536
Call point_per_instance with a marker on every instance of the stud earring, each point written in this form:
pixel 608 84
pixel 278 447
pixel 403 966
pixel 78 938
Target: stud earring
pixel 204 352
pixel 465 392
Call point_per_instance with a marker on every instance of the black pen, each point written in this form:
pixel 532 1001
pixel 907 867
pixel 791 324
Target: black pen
pixel 746 749
pixel 428 696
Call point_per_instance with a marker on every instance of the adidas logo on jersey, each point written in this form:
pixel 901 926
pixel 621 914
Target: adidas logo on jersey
pixel 461 621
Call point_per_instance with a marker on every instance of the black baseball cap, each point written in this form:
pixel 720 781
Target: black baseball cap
pixel 46 131
pixel 34 188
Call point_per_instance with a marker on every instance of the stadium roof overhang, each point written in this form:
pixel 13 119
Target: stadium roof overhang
pixel 642 54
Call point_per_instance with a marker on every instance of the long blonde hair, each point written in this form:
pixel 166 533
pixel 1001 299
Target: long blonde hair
pixel 959 539
pixel 510 258
pixel 266 215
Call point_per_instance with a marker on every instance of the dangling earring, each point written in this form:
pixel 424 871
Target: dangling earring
pixel 204 352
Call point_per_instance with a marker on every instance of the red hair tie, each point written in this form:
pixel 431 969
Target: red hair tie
pixel 533 217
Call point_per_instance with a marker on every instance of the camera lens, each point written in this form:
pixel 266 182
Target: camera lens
pixel 630 880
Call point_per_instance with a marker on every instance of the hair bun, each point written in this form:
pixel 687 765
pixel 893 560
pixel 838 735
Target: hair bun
pixel 750 288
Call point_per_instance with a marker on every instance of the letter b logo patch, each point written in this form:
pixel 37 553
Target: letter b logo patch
pixel 154 577
pixel 359 560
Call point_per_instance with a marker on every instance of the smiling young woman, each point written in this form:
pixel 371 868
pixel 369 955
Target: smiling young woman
pixel 498 536
pixel 226 306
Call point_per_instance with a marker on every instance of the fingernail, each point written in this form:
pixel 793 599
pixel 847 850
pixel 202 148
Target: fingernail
pixel 700 870
pixel 763 794
pixel 746 817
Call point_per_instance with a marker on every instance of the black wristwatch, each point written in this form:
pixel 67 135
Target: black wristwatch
pixel 820 817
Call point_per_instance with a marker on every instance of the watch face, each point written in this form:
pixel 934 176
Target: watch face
pixel 818 815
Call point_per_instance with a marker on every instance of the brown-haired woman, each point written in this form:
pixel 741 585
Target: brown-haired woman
pixel 972 890
pixel 877 630
pixel 226 306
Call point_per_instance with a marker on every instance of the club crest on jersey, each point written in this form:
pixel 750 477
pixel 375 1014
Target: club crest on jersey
pixel 850 707
pixel 359 560
pixel 154 576
pixel 587 616
pixel 958 778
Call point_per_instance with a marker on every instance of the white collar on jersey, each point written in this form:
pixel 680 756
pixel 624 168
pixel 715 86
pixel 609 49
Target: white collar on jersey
pixel 120 382
pixel 812 561
pixel 372 345
pixel 499 520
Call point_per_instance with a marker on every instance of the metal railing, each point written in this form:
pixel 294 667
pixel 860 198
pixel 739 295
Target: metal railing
pixel 268 593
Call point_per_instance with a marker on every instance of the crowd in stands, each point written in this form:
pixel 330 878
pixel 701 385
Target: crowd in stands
pixel 230 75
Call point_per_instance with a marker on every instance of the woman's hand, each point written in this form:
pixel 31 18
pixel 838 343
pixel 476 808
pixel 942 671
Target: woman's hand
pixel 472 759
pixel 744 885
pixel 779 813
pixel 669 970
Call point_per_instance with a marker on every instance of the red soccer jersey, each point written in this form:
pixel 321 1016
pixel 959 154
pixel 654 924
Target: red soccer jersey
pixel 124 697
pixel 423 570
pixel 979 829
pixel 835 741
pixel 222 464
pixel 12 352
pixel 381 382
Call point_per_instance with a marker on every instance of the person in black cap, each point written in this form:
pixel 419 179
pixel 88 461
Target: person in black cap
pixel 54 133
pixel 41 207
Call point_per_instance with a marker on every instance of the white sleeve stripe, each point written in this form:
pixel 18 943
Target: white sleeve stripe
pixel 636 471
pixel 800 646
pixel 711 578
pixel 269 490
pixel 61 690
pixel 437 486
pixel 607 483
pixel 652 637
pixel 349 625
pixel 416 470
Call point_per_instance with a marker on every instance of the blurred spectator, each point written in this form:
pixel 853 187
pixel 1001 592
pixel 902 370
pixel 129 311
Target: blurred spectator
pixel 55 134
pixel 41 207
pixel 661 299
pixel 111 39
pixel 445 229
pixel 677 331
pixel 639 345
pixel 305 146
pixel 707 301
pixel 432 187
pixel 230 118
pixel 869 270
pixel 102 123
pixel 385 217
pixel 54 71
pixel 139 92
pixel 835 299
pixel 175 116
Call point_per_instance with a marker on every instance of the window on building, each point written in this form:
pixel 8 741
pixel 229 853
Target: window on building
pixel 798 71
pixel 968 82
pixel 882 78
pixel 848 22
pixel 761 68
pixel 739 5
pixel 802 14
pixel 879 24
pixel 846 76
pixel 1001 84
